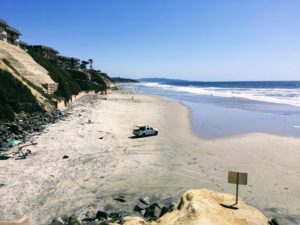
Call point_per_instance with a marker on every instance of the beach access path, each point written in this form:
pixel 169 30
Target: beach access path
pixel 104 162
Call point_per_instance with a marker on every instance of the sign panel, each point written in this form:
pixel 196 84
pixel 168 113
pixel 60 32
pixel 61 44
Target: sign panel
pixel 237 178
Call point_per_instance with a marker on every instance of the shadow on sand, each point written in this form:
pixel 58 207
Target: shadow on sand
pixel 136 137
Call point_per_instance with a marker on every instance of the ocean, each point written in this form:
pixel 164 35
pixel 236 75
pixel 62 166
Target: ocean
pixel 223 109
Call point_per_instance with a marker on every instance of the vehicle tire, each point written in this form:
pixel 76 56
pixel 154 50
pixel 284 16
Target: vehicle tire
pixel 156 133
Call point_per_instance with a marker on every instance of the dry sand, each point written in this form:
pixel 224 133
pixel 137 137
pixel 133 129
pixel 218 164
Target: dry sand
pixel 45 185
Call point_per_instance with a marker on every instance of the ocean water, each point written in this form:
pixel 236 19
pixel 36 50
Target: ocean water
pixel 222 109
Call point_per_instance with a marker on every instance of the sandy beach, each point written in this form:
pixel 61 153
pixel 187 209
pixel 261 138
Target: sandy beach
pixel 104 161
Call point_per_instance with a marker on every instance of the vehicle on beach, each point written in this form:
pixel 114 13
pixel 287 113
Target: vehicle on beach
pixel 142 131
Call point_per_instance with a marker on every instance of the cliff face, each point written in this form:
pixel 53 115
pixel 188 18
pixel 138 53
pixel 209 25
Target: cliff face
pixel 108 82
pixel 23 64
pixel 20 65
pixel 42 76
pixel 203 207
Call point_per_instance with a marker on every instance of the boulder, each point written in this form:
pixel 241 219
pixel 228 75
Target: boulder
pixel 101 215
pixel 145 200
pixel 167 209
pixel 204 207
pixel 118 217
pixel 72 220
pixel 153 212
pixel 57 221
pixel 139 208
pixel 273 222
pixel 89 216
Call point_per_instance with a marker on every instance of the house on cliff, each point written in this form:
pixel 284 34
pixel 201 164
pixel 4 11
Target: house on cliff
pixel 9 34
pixel 53 55
pixel 45 51
pixel 68 62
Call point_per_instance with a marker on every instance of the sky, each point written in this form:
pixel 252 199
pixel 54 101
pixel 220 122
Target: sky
pixel 206 40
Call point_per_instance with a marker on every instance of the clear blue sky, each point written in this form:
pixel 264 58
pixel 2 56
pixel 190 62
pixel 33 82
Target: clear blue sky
pixel 196 40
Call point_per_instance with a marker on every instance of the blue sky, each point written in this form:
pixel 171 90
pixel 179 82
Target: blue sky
pixel 205 40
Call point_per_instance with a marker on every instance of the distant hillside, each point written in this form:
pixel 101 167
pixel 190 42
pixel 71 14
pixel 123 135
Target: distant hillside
pixel 160 80
pixel 124 80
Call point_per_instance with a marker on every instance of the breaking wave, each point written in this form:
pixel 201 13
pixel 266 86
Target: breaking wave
pixel 290 96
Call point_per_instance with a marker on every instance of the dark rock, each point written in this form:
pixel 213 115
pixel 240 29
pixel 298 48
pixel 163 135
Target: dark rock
pixel 96 223
pixel 120 199
pixel 153 212
pixel 145 200
pixel 65 157
pixel 4 157
pixel 72 220
pixel 118 217
pixel 139 208
pixel 273 222
pixel 101 215
pixel 14 128
pixel 114 215
pixel 90 216
pixel 172 206
pixel 167 209
pixel 57 221
pixel 164 210
pixel 103 223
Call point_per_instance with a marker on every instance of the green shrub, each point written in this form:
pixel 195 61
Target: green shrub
pixel 70 82
pixel 6 113
pixel 15 97
pixel 67 86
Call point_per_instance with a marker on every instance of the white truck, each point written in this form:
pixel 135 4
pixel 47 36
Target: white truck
pixel 142 131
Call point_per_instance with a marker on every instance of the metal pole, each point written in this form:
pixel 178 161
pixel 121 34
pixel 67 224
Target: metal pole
pixel 237 188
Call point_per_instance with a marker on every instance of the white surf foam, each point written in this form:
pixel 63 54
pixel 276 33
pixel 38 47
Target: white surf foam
pixel 276 95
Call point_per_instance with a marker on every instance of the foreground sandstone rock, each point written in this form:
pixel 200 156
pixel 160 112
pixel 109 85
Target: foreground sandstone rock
pixel 202 207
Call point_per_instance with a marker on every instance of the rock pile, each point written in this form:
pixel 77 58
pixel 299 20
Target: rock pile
pixel 26 124
pixel 143 208
pixel 197 207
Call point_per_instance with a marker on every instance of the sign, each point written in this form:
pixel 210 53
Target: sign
pixel 237 178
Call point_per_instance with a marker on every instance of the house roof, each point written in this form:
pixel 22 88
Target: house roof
pixel 43 47
pixel 13 30
pixel 3 22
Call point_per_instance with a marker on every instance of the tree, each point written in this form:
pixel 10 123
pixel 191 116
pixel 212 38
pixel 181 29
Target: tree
pixel 91 63
pixel 83 64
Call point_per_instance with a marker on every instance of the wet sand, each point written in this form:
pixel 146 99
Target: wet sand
pixel 46 185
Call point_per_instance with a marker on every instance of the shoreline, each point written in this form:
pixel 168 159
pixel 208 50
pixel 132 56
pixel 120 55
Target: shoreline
pixel 218 117
pixel 241 135
pixel 176 160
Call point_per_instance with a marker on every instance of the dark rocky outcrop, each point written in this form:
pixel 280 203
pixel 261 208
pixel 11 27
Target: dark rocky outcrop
pixel 25 125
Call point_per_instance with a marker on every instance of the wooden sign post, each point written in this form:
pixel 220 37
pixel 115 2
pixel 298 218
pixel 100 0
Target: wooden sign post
pixel 237 178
